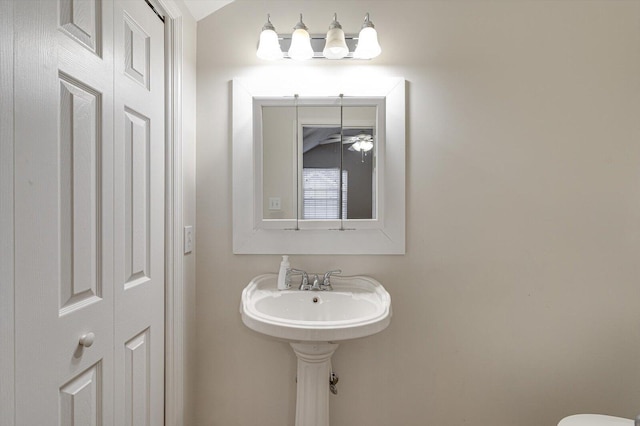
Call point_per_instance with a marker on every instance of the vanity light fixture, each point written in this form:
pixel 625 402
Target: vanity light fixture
pixel 335 45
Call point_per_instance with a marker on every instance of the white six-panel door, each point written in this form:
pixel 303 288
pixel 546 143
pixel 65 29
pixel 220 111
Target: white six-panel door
pixel 89 213
pixel 139 214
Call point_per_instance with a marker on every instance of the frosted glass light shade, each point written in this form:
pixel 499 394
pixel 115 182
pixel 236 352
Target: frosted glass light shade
pixel 335 46
pixel 368 46
pixel 300 45
pixel 269 47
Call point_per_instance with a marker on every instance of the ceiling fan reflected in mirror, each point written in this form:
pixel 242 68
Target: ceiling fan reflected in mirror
pixel 357 139
pixel 361 143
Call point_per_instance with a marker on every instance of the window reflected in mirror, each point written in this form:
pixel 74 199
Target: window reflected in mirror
pixel 325 193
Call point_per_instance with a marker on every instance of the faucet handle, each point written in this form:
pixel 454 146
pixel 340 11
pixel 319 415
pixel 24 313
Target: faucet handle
pixel 326 281
pixel 305 277
pixel 304 285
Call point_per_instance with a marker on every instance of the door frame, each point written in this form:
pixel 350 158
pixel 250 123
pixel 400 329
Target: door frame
pixel 174 261
pixel 174 222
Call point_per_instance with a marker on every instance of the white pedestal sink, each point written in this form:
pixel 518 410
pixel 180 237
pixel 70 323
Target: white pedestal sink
pixel 594 420
pixel 313 322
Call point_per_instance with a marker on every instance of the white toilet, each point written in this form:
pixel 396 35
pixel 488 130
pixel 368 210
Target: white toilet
pixel 594 420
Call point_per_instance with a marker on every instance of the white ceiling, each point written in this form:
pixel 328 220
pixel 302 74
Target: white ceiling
pixel 202 8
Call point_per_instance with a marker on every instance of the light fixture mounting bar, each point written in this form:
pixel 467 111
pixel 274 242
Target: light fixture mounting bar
pixel 317 44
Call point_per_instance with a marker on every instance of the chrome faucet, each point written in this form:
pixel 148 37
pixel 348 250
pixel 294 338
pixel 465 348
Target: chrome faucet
pixel 325 285
pixel 316 283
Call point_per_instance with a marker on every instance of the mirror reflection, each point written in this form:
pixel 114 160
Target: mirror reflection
pixel 279 158
pixel 319 162
pixel 337 173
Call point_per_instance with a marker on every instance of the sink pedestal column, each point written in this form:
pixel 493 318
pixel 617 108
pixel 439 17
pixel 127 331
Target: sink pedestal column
pixel 314 369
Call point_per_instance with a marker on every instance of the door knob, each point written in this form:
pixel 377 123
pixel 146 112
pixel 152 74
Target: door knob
pixel 86 340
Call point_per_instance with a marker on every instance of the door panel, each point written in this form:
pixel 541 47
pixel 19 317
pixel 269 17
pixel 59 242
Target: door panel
pixel 136 44
pixel 136 198
pixel 139 214
pixel 80 194
pixel 81 399
pixel 81 20
pixel 64 214
pixel 137 380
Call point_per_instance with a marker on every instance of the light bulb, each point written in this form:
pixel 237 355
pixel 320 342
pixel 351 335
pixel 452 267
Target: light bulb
pixel 269 46
pixel 300 42
pixel 335 46
pixel 368 46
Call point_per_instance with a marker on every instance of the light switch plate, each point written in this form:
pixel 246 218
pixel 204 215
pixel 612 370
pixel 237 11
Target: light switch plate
pixel 188 239
pixel 274 203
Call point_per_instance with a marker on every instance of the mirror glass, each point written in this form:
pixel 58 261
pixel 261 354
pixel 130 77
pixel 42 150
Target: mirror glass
pixel 279 160
pixel 319 162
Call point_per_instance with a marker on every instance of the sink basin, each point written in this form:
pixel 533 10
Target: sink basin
pixel 357 307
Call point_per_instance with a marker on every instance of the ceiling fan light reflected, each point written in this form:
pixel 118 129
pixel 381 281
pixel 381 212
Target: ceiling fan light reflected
pixel 362 146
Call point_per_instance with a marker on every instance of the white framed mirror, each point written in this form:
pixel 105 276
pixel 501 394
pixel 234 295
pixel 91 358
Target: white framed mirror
pixel 319 168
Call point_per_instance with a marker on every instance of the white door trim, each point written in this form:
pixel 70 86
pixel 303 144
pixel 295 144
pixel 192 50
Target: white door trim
pixel 7 358
pixel 174 285
pixel 174 223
